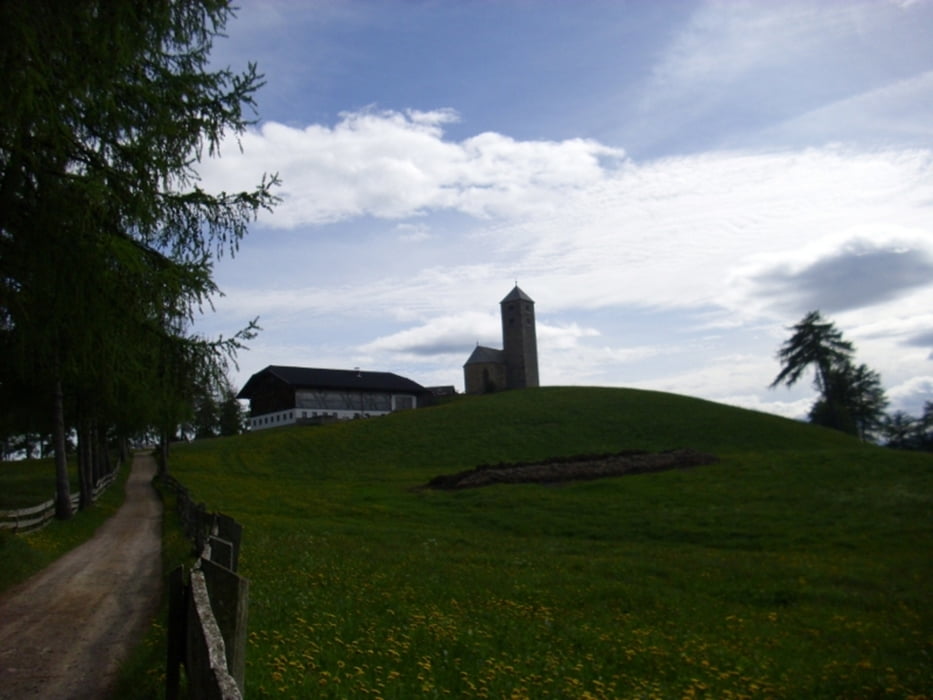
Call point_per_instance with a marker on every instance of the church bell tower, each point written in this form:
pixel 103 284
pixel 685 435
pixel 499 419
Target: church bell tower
pixel 519 340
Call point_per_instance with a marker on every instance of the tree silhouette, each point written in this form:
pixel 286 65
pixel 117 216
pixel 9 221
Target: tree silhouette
pixel 851 396
pixel 858 401
pixel 816 343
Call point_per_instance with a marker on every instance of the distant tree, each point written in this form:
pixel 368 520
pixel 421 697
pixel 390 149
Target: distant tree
pixel 232 418
pixel 865 400
pixel 205 416
pixel 900 430
pixel 217 412
pixel 859 402
pixel 926 427
pixel 815 343
pixel 851 398
pixel 904 431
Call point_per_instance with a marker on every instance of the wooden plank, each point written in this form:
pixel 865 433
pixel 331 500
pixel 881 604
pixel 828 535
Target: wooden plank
pixel 208 675
pixel 34 523
pixel 221 551
pixel 176 632
pixel 230 530
pixel 229 596
pixel 24 512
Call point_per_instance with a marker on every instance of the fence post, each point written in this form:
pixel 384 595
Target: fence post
pixel 230 530
pixel 221 552
pixel 229 595
pixel 209 675
pixel 176 632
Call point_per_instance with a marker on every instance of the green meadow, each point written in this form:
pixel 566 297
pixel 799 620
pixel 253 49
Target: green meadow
pixel 798 566
pixel 29 482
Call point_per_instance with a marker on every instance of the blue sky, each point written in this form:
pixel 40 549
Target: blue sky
pixel 673 183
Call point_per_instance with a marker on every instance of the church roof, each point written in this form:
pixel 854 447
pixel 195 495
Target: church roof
pixel 310 377
pixel 483 354
pixel 517 295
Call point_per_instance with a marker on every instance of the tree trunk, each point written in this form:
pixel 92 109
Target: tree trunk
pixel 98 450
pixel 62 487
pixel 163 452
pixel 124 450
pixel 85 459
pixel 103 461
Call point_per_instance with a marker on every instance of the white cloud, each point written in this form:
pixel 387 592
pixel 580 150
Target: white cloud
pixel 392 165
pixel 790 72
pixel 911 395
pixel 901 110
pixel 796 410
pixel 413 233
pixel 441 335
pixel 683 231
pixel 725 40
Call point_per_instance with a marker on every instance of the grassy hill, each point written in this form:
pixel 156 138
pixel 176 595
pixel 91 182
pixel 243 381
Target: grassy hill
pixel 798 566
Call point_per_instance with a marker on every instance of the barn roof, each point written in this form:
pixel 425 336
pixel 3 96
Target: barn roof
pixel 483 354
pixel 517 295
pixel 313 378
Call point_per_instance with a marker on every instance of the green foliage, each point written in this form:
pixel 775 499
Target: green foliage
pixel 796 567
pixel 851 398
pixel 903 431
pixel 814 343
pixel 106 237
pixel 217 412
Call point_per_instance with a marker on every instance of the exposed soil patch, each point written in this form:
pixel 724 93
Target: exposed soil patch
pixel 576 468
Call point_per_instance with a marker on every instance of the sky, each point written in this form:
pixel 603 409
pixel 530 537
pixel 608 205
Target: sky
pixel 674 183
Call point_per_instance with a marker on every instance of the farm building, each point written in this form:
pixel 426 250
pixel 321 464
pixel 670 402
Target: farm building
pixel 282 395
pixel 516 365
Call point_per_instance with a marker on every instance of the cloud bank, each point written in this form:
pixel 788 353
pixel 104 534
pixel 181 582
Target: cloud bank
pixel 397 165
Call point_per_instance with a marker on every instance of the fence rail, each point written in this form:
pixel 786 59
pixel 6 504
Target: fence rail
pixel 37 517
pixel 207 614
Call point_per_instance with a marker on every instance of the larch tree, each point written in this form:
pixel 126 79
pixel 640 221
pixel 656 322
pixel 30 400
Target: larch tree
pixel 851 397
pixel 815 343
pixel 105 232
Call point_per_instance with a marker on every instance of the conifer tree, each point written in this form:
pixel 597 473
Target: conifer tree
pixel 105 110
pixel 851 397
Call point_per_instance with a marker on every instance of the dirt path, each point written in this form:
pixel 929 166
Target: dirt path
pixel 64 632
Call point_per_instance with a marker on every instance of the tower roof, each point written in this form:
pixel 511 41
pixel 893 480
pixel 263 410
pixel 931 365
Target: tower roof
pixel 517 295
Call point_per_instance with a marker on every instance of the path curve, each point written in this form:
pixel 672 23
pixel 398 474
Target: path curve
pixel 64 632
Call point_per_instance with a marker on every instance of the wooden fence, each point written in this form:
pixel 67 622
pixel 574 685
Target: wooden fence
pixel 207 613
pixel 37 517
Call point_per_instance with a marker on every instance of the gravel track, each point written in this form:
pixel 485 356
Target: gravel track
pixel 64 632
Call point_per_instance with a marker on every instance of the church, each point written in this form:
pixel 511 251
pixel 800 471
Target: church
pixel 516 365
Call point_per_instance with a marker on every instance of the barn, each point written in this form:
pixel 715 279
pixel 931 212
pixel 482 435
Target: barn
pixel 284 395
